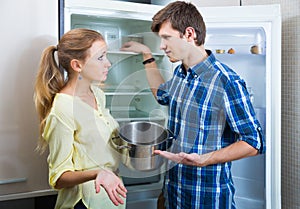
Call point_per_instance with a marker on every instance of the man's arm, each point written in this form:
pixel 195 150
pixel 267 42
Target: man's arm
pixel 153 74
pixel 235 151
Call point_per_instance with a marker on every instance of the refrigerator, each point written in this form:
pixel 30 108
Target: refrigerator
pixel 246 38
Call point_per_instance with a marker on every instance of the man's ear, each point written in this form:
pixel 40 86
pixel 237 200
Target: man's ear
pixel 76 65
pixel 190 34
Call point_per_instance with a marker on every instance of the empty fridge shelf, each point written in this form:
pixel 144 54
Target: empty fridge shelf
pixel 129 114
pixel 132 115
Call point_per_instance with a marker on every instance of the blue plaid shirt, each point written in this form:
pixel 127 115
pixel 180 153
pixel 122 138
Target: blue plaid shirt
pixel 209 108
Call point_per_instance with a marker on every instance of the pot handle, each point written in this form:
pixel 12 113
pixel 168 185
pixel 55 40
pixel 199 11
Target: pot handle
pixel 123 147
pixel 118 146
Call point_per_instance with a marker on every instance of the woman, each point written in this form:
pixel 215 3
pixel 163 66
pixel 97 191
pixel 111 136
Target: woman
pixel 75 124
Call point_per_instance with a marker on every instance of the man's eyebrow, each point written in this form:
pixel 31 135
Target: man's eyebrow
pixel 165 36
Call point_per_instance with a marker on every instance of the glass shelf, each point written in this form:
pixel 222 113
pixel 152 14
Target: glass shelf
pixel 134 115
pixel 124 90
pixel 124 53
pixel 117 93
pixel 241 56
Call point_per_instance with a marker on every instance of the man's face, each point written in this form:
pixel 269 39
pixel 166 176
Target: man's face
pixel 171 42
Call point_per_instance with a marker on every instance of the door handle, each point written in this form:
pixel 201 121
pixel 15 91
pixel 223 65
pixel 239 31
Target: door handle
pixel 11 181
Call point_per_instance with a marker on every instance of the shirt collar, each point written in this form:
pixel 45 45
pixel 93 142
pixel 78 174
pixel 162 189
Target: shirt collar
pixel 197 69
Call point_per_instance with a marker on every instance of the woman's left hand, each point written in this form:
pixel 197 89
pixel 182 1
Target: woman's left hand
pixel 112 185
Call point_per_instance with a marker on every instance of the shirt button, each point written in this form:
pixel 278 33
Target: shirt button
pixel 107 123
pixel 100 115
pixel 176 120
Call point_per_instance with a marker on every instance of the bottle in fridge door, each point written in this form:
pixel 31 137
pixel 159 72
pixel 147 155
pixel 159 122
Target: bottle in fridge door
pixel 246 38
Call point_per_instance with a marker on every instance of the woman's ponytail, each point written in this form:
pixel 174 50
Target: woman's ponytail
pixel 49 81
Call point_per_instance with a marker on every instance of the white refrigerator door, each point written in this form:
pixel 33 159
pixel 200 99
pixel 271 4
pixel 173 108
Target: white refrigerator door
pixel 240 17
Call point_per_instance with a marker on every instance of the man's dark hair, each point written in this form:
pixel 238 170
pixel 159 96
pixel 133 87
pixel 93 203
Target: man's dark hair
pixel 181 15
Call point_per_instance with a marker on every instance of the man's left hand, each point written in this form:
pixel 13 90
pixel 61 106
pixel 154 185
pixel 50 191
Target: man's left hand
pixel 192 159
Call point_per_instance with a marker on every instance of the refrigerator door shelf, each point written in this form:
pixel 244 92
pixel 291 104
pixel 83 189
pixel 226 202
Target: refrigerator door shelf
pixel 235 35
pixel 237 55
pixel 241 40
pixel 255 49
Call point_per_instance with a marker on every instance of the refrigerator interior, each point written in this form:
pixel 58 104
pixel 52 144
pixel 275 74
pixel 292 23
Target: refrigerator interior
pixel 129 98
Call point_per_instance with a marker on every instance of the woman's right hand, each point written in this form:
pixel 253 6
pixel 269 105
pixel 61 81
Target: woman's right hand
pixel 112 184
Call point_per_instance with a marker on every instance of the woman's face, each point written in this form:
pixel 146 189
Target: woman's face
pixel 97 64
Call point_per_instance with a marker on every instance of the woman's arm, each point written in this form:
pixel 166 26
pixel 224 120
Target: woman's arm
pixel 105 178
pixel 73 178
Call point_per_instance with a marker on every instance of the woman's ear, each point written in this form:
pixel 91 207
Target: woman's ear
pixel 190 34
pixel 76 65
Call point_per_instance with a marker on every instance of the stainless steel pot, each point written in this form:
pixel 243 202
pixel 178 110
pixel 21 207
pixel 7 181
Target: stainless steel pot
pixel 136 144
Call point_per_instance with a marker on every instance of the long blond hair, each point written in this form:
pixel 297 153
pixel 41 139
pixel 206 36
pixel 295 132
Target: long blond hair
pixel 50 77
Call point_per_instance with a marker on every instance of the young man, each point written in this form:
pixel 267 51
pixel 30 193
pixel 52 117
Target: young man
pixel 210 113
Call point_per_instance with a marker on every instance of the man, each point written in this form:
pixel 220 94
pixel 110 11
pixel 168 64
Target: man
pixel 210 113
